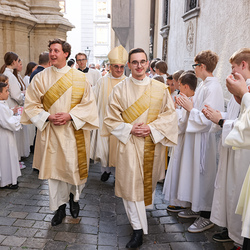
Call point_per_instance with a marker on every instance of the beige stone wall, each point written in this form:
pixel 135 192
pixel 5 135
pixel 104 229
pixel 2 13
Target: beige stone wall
pixel 27 26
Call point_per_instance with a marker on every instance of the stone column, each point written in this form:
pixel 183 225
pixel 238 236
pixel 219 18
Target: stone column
pixel 50 24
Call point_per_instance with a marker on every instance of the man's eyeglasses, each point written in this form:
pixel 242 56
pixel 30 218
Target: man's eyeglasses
pixel 117 66
pixel 80 60
pixel 195 65
pixel 136 63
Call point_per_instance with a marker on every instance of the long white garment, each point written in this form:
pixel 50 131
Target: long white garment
pixel 93 76
pixel 103 149
pixel 170 187
pixel 232 169
pixel 9 165
pixel 198 160
pixel 59 192
pixel 16 97
pixel 26 81
pixel 239 137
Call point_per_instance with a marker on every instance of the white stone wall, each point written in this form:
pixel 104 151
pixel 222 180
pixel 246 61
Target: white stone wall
pixel 222 26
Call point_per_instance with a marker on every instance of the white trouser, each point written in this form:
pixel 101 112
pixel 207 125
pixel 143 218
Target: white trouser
pixel 59 193
pixel 136 212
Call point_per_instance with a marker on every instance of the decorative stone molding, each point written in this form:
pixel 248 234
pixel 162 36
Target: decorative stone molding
pixel 191 14
pixel 190 37
pixel 192 9
pixel 164 31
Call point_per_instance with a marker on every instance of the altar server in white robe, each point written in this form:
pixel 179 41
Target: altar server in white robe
pixel 104 149
pixel 142 116
pixel 60 102
pixel 9 165
pixel 229 177
pixel 187 85
pixel 198 162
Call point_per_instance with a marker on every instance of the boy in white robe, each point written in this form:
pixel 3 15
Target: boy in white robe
pixel 198 162
pixel 9 165
pixel 187 85
pixel 230 177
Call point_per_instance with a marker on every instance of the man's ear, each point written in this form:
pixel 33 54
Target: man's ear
pixel 129 65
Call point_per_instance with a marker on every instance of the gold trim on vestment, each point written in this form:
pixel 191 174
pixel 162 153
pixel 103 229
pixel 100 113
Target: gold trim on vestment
pixel 76 80
pixel 152 100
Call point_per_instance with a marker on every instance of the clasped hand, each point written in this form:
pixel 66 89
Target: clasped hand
pixel 59 119
pixel 140 130
pixel 183 101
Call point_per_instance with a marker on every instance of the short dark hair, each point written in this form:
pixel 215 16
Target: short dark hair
pixel 170 77
pixel 81 54
pixel 66 47
pixel 177 74
pixel 153 62
pixel 188 78
pixel 43 58
pixel 162 66
pixel 136 50
pixel 3 85
pixel 208 58
pixel 71 62
pixel 3 78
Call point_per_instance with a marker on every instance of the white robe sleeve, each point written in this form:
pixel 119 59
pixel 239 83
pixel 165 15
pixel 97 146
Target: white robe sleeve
pixel 40 120
pixel 122 132
pixel 8 121
pixel 239 137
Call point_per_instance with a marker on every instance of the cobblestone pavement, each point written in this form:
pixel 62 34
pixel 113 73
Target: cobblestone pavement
pixel 102 224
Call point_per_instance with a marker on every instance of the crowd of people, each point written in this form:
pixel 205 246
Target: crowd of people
pixel 142 128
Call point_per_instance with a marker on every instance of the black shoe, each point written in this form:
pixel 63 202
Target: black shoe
pixel 105 176
pixel 136 239
pixel 73 206
pixel 10 186
pixel 222 236
pixel 59 215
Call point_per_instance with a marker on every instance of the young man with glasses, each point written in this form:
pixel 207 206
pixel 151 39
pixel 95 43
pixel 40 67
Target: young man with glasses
pixel 103 149
pixel 137 113
pixel 92 75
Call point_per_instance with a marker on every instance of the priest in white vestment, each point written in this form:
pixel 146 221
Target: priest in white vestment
pixel 104 149
pixel 142 116
pixel 61 104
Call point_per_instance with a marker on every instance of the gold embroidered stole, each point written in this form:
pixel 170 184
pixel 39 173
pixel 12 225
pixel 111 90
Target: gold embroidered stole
pixel 76 80
pixel 152 100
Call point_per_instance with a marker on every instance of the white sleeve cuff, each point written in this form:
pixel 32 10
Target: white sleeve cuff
pixel 40 120
pixel 122 132
pixel 156 136
pixel 77 123
pixel 246 100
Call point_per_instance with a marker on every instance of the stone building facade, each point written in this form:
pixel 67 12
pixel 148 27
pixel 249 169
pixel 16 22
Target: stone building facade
pixel 176 30
pixel 27 25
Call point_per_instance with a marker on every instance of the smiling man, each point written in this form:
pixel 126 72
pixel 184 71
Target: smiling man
pixel 60 103
pixel 92 75
pixel 141 115
pixel 103 149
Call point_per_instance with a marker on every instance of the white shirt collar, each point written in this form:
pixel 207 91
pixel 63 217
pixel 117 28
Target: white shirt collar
pixel 64 69
pixel 144 81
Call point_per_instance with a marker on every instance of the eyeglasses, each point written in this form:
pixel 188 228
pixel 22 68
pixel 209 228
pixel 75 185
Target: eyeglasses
pixel 80 60
pixel 195 65
pixel 136 63
pixel 117 66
